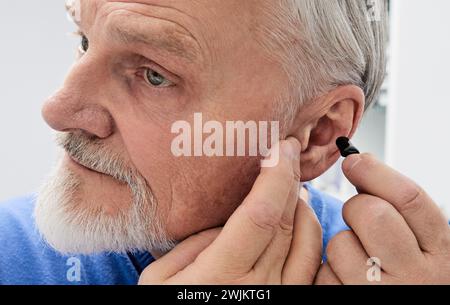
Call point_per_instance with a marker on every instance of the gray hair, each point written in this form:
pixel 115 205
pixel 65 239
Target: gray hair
pixel 328 43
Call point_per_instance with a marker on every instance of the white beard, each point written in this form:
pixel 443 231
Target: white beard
pixel 74 227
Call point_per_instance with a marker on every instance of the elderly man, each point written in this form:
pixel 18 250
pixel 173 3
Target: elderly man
pixel 120 198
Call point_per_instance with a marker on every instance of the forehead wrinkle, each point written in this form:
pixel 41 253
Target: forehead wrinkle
pixel 156 4
pixel 129 27
pixel 171 42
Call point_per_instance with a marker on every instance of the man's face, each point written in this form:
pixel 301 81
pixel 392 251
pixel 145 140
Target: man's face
pixel 145 65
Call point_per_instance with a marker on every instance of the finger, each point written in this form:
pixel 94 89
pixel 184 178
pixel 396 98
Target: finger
pixel 420 212
pixel 383 233
pixel 179 258
pixel 326 276
pixel 250 229
pixel 305 255
pixel 347 258
pixel 271 262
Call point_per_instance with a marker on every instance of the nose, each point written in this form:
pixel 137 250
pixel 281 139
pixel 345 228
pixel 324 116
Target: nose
pixel 77 106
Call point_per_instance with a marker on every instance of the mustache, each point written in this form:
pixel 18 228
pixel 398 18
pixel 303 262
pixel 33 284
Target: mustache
pixel 92 153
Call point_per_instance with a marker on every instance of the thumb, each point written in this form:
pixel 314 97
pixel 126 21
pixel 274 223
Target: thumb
pixel 179 258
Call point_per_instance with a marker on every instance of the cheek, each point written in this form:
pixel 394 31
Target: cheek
pixel 207 191
pixel 193 193
pixel 148 148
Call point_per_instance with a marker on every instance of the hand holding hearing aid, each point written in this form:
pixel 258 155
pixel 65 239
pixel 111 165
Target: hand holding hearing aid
pixel 394 225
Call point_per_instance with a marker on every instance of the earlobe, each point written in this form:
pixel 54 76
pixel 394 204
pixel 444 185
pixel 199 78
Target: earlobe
pixel 333 115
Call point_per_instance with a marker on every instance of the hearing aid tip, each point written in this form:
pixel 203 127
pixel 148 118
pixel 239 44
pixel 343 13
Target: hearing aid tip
pixel 346 147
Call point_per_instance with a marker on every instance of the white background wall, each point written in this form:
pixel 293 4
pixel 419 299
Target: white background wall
pixel 418 137
pixel 36 53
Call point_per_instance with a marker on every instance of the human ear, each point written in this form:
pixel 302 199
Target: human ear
pixel 320 122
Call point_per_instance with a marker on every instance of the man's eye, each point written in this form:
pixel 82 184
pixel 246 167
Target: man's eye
pixel 84 45
pixel 155 79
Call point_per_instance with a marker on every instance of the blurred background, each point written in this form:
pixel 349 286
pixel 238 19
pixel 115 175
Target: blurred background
pixel 408 128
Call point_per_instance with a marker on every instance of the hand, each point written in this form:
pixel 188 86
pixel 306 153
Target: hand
pixel 272 238
pixel 393 220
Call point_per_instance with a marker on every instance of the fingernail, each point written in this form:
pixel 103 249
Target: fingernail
pixel 350 162
pixel 290 150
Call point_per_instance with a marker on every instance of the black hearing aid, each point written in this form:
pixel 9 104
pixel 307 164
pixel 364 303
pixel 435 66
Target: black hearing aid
pixel 346 147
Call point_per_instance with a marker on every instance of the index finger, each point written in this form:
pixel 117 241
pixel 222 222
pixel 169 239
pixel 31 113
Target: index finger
pixel 251 228
pixel 422 215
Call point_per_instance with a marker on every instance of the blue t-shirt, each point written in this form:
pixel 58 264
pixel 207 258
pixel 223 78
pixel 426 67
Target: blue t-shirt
pixel 26 259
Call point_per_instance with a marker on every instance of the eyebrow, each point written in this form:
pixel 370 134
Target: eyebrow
pixel 168 40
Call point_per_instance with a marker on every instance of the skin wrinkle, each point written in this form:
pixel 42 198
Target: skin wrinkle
pixel 162 6
pixel 205 48
pixel 198 21
pixel 153 15
pixel 172 41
